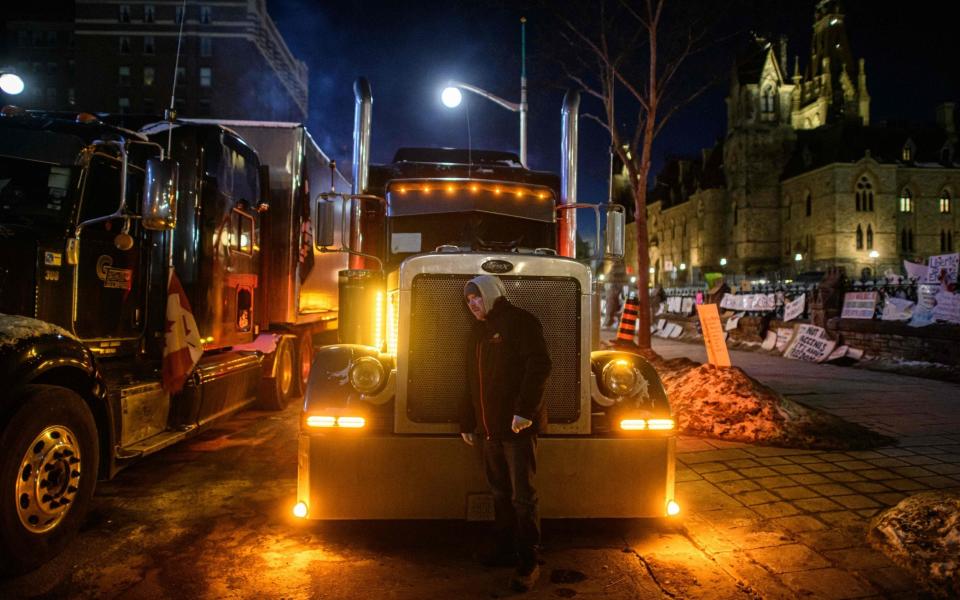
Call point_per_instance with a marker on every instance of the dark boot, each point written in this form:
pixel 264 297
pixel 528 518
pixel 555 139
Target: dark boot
pixel 525 578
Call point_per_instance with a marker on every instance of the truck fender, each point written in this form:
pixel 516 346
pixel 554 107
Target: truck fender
pixel 45 354
pixel 329 383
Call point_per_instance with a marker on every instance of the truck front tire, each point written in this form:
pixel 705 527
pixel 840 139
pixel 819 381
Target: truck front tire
pixel 48 471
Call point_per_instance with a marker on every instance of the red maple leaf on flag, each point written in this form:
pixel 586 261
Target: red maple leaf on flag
pixel 182 346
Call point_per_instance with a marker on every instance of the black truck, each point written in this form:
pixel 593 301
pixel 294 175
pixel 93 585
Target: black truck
pixel 93 218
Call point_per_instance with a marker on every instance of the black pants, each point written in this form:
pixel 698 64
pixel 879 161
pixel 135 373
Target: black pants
pixel 510 466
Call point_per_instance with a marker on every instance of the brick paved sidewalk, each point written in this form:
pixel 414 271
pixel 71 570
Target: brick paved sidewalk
pixel 788 522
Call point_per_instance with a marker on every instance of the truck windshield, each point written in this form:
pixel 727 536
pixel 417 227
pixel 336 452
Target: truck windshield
pixel 34 192
pixel 473 230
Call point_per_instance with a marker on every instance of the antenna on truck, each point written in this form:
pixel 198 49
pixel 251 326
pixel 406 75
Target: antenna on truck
pixel 170 115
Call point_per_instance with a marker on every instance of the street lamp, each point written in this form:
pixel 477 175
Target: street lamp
pixel 874 255
pixel 10 82
pixel 452 96
pixel 723 262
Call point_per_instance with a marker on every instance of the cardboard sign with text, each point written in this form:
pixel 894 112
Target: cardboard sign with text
pixel 794 308
pixel 859 305
pixel 713 335
pixel 942 265
pixel 811 344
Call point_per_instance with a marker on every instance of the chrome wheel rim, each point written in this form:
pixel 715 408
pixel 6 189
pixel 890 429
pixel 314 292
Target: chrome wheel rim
pixel 285 372
pixel 48 479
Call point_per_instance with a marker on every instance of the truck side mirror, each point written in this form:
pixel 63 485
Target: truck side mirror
pixel 326 222
pixel 614 241
pixel 159 210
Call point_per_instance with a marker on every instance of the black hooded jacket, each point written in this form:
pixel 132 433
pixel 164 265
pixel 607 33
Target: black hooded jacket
pixel 507 368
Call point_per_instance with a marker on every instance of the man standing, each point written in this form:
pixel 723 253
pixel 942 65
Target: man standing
pixel 507 367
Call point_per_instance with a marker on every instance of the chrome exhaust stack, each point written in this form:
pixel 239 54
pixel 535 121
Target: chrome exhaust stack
pixel 363 109
pixel 569 135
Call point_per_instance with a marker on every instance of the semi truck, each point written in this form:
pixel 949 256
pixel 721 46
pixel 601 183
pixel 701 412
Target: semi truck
pixel 379 434
pixel 93 220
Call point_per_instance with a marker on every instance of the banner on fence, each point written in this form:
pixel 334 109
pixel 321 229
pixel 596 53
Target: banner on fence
pixel 713 335
pixel 926 301
pixel 859 305
pixel 940 263
pixel 810 343
pixel 794 308
pixel 897 309
pixel 948 307
pixel 749 302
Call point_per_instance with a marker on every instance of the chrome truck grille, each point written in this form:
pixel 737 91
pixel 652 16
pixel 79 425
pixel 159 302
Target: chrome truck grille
pixel 440 324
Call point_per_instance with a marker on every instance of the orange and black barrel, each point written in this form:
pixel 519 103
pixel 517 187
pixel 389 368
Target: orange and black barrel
pixel 628 321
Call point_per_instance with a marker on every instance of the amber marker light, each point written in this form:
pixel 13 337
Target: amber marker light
pixel 300 510
pixel 351 422
pixel 673 508
pixel 474 188
pixel 449 189
pixel 519 193
pixel 321 421
pixel 633 424
pixel 403 190
pixel 660 424
pixel 497 190
pixel 541 195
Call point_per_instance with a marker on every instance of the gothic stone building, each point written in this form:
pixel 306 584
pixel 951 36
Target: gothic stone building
pixel 803 181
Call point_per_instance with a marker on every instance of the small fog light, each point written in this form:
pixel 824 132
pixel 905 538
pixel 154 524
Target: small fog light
pixel 673 508
pixel 300 510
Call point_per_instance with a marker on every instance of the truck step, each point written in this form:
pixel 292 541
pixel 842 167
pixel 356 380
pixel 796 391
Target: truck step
pixel 153 443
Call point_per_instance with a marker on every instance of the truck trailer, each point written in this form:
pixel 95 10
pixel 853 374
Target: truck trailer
pixel 94 220
pixel 379 435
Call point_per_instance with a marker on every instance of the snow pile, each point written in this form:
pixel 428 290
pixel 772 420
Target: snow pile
pixel 728 404
pixel 922 533
pixel 14 328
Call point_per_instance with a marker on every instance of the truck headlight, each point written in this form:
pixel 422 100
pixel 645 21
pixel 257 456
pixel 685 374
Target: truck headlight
pixel 621 377
pixel 366 374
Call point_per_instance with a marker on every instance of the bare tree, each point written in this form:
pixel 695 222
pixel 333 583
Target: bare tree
pixel 628 55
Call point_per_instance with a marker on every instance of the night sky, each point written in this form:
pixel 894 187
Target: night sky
pixel 408 50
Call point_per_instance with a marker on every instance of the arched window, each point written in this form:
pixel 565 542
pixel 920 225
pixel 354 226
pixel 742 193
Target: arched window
pixel 809 205
pixel 869 237
pixel 943 240
pixel 859 238
pixel 864 195
pixel 903 239
pixel 906 201
pixel 907 153
pixel 910 239
pixel 945 202
pixel 767 102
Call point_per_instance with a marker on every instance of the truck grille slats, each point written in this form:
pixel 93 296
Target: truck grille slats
pixel 440 324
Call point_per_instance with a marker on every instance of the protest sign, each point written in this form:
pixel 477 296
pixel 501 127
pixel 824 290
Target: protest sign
pixel 810 344
pixel 686 306
pixel 838 353
pixel 673 304
pixel 926 301
pixel 940 263
pixel 732 322
pixel 897 309
pixel 948 307
pixel 675 330
pixel 794 308
pixel 783 338
pixel 859 305
pixel 713 335
pixel 915 271
pixel 769 342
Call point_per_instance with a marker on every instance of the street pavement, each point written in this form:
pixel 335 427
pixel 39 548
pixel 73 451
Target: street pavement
pixel 210 518
pixel 788 523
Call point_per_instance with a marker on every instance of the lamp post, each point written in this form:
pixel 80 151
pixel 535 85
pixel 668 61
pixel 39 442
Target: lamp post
pixel 451 95
pixel 874 255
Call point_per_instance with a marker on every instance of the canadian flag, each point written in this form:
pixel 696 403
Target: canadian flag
pixel 181 344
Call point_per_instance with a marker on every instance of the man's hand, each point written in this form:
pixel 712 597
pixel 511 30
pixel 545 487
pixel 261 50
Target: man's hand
pixel 468 438
pixel 519 423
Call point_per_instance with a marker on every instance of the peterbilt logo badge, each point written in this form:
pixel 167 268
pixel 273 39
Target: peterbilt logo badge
pixel 497 266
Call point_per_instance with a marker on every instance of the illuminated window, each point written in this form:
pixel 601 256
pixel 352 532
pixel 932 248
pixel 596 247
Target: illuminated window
pixel 944 202
pixel 123 75
pixel 907 153
pixel 243 230
pixel 206 77
pixel 124 105
pixel 149 75
pixel 906 201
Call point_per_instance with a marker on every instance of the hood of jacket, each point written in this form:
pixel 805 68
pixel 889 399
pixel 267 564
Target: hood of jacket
pixel 490 288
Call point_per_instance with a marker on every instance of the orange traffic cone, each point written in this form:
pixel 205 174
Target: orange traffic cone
pixel 628 321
